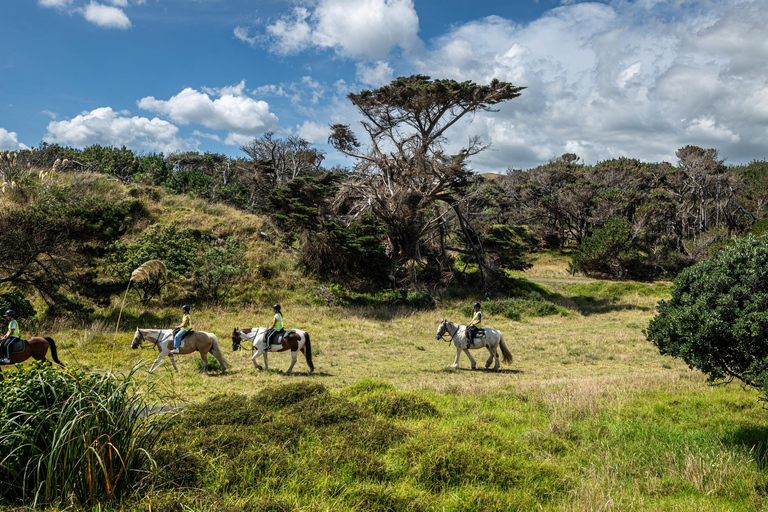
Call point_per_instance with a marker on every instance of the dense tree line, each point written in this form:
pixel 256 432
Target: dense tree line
pixel 409 214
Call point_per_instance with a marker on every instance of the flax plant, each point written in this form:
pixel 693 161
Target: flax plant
pixel 88 442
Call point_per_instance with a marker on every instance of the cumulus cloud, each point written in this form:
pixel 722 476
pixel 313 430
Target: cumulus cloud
pixel 362 29
pixel 242 116
pixel 316 133
pixel 10 140
pixel 106 16
pixel 375 74
pixel 637 79
pixel 107 127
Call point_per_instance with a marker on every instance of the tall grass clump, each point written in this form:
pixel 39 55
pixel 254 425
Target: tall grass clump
pixel 71 437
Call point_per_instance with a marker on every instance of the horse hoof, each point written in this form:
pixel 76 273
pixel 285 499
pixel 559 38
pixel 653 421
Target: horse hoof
pixel 454 366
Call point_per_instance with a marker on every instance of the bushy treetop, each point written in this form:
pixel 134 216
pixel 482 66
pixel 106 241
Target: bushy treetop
pixel 717 317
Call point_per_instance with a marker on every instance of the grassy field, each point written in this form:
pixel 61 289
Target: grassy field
pixel 589 416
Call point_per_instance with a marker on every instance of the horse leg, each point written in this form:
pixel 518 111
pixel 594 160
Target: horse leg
pixel 490 357
pixel 157 360
pixel 496 354
pixel 266 362
pixel 456 361
pixel 204 355
pixel 253 359
pixel 471 359
pixel 294 354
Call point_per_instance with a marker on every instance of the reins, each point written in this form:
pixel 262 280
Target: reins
pixel 449 332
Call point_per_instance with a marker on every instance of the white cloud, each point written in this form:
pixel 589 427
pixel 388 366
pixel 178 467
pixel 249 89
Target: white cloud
pixel 316 133
pixel 10 140
pixel 119 3
pixel 241 34
pixel 291 34
pixel 106 127
pixel 708 131
pixel 54 3
pixel 106 16
pixel 637 79
pixel 376 74
pixel 362 29
pixel 232 111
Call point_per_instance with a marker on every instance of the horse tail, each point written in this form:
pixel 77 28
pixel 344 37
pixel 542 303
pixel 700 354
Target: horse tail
pixel 217 352
pixel 54 352
pixel 506 354
pixel 307 350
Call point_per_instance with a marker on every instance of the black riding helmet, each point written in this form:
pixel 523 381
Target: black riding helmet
pixel 476 305
pixel 10 312
pixel 276 307
pixel 185 307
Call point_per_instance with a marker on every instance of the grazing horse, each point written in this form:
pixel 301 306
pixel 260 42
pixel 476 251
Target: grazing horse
pixel 203 342
pixel 293 340
pixel 492 340
pixel 33 347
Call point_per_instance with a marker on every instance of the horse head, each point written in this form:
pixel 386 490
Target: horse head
pixel 236 339
pixel 441 330
pixel 138 337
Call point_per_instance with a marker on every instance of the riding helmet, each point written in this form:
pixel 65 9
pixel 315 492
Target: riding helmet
pixel 10 312
pixel 185 307
pixel 476 305
pixel 276 307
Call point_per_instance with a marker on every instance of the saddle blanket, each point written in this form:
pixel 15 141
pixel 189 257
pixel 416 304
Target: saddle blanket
pixel 17 345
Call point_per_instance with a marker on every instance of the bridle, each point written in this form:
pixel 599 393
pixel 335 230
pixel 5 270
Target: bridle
pixel 244 337
pixel 444 322
pixel 143 338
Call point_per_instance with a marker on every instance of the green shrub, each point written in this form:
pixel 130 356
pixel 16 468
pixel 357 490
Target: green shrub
pixel 16 301
pixel 73 434
pixel 717 317
pixel 609 251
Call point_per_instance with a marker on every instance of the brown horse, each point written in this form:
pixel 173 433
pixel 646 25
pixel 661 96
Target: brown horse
pixel 36 348
pixel 200 341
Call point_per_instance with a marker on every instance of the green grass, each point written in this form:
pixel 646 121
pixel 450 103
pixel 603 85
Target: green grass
pixel 589 416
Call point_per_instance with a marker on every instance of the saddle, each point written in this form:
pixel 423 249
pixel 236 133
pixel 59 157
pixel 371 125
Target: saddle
pixel 176 331
pixel 479 334
pixel 277 339
pixel 17 345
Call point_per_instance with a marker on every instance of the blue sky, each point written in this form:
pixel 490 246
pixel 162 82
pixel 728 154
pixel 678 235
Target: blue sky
pixel 636 78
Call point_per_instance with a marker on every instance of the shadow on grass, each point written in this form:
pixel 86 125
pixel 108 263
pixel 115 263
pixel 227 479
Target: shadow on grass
pixel 590 306
pixel 752 439
pixel 500 371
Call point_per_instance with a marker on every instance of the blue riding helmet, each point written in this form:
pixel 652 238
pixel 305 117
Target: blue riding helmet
pixel 276 307
pixel 476 305
pixel 10 312
pixel 185 307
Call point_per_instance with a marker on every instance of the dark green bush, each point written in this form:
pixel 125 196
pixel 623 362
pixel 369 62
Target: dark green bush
pixel 717 317
pixel 610 251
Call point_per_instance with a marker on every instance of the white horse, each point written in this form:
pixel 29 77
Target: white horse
pixel 493 340
pixel 203 342
pixel 293 340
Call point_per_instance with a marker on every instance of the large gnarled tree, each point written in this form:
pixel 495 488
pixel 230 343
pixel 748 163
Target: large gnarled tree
pixel 404 170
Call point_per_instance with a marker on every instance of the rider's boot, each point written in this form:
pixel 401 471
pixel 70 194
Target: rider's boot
pixel 5 360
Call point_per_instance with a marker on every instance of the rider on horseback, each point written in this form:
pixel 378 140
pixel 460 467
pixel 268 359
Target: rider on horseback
pixel 186 325
pixel 475 325
pixel 277 325
pixel 11 336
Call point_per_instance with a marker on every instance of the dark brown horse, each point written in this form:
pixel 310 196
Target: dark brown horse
pixel 35 348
